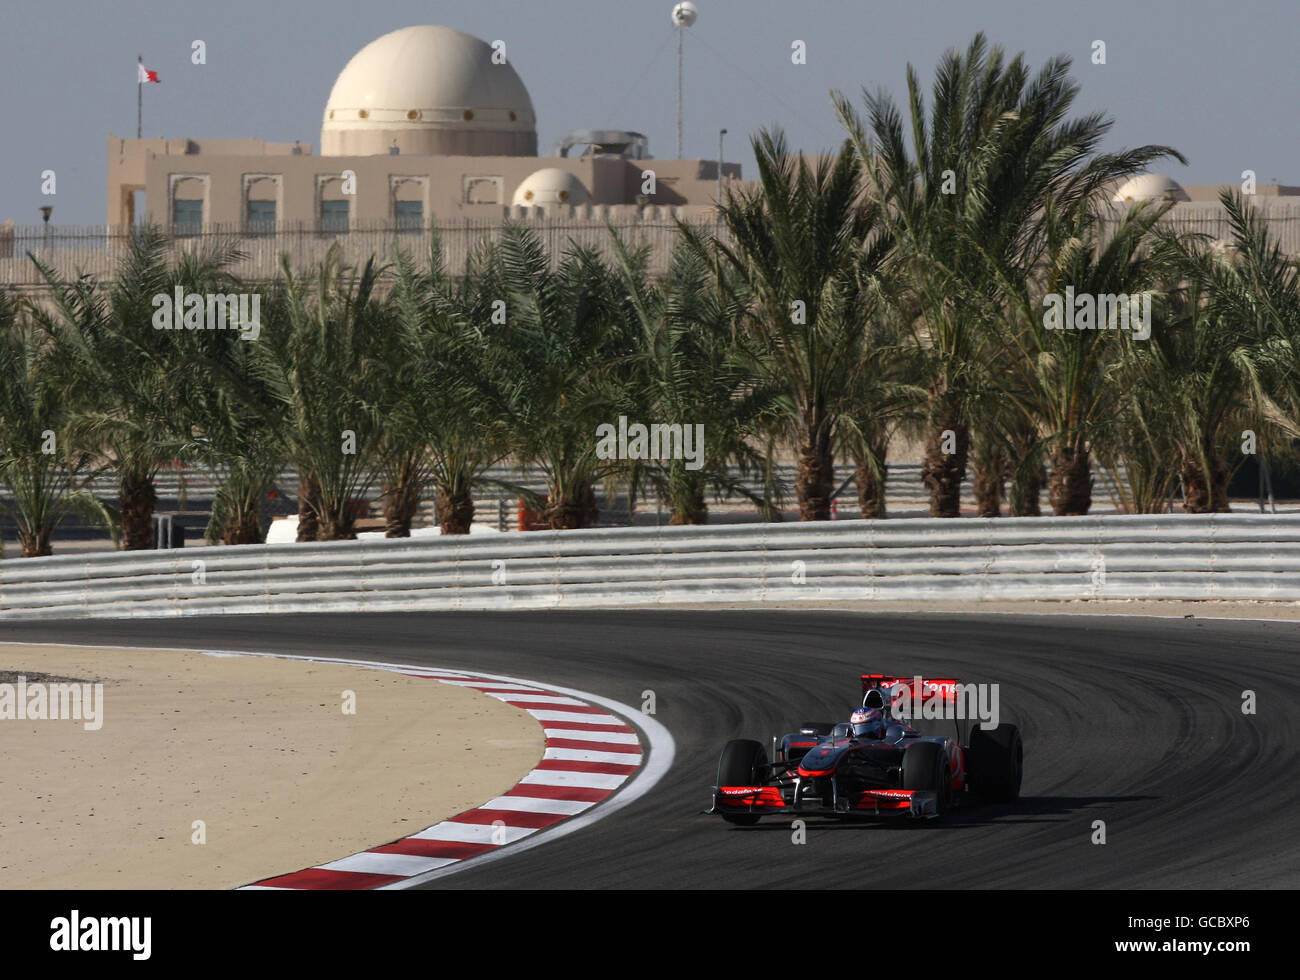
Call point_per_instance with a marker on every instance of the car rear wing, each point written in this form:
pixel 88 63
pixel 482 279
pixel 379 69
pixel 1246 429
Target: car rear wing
pixel 909 693
pixel 889 686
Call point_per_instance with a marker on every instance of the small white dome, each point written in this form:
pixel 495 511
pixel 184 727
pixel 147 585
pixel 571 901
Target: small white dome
pixel 432 90
pixel 550 185
pixel 684 14
pixel 1150 187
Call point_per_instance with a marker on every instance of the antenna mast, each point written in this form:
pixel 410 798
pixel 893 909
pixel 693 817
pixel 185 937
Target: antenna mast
pixel 683 16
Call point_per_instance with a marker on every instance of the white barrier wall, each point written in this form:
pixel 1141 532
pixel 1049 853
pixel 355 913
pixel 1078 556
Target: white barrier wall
pixel 1238 556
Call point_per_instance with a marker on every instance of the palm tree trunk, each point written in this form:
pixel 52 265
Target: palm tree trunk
pixel 988 464
pixel 815 478
pixel 137 498
pixel 941 472
pixel 1070 487
pixel 246 528
pixel 871 488
pixel 563 515
pixel 690 508
pixel 455 510
pixel 1026 488
pixel 36 544
pixel 401 504
pixel 590 512
pixel 575 510
pixel 770 511
pixel 1205 494
pixel 1026 473
pixel 1219 480
pixel 308 506
pixel 337 526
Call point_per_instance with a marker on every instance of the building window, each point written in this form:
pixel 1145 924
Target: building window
pixel 334 217
pixel 481 190
pixel 410 215
pixel 187 217
pixel 261 218
pixel 262 203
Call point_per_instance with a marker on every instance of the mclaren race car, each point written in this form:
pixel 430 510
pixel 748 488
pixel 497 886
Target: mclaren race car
pixel 874 765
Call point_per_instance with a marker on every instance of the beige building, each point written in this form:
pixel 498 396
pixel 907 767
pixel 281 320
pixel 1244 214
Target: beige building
pixel 423 124
pixel 431 127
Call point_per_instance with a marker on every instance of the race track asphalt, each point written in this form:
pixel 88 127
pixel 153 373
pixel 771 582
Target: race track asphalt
pixel 1133 721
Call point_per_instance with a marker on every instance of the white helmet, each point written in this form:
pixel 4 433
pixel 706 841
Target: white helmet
pixel 867 723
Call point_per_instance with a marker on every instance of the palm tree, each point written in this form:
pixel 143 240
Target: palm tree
pixel 689 373
pixel 444 427
pixel 805 246
pixel 45 473
pixel 241 445
pixel 1231 327
pixel 990 158
pixel 403 452
pixel 231 413
pixel 884 398
pixel 1141 452
pixel 1273 305
pixel 127 382
pixel 1065 377
pixel 321 360
pixel 564 360
pixel 1023 467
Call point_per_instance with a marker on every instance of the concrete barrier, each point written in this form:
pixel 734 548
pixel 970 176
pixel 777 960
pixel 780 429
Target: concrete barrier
pixel 1238 556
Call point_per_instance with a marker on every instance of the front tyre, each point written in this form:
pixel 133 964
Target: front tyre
pixel 926 768
pixel 740 765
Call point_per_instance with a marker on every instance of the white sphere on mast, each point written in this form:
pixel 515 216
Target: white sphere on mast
pixel 683 16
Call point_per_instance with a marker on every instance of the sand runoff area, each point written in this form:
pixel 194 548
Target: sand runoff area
pixel 258 749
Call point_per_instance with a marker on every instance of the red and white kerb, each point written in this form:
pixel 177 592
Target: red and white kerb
pixel 589 754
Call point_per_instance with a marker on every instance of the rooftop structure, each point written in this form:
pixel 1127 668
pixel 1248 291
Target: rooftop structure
pixel 431 91
pixel 423 124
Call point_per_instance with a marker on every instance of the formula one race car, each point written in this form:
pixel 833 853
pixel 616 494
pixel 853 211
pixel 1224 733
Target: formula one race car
pixel 875 764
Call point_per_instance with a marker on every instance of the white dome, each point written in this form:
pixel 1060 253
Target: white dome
pixel 1150 187
pixel 550 185
pixel 684 14
pixel 432 90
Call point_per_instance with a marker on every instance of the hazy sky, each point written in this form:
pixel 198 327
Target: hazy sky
pixel 1215 78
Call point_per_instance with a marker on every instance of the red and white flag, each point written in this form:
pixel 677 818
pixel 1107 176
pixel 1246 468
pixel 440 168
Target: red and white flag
pixel 145 75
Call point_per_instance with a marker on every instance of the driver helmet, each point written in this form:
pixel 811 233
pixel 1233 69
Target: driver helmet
pixel 867 723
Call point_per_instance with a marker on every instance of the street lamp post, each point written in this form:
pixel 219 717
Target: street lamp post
pixel 46 211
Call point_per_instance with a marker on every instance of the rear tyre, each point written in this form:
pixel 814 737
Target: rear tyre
pixel 738 766
pixel 926 767
pixel 997 763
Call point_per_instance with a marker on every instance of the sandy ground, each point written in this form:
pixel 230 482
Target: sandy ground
pixel 1115 607
pixel 258 749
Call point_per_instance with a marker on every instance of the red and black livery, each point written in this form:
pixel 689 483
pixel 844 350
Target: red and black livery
pixel 823 769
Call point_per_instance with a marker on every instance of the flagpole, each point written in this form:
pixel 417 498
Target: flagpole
pixel 139 97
